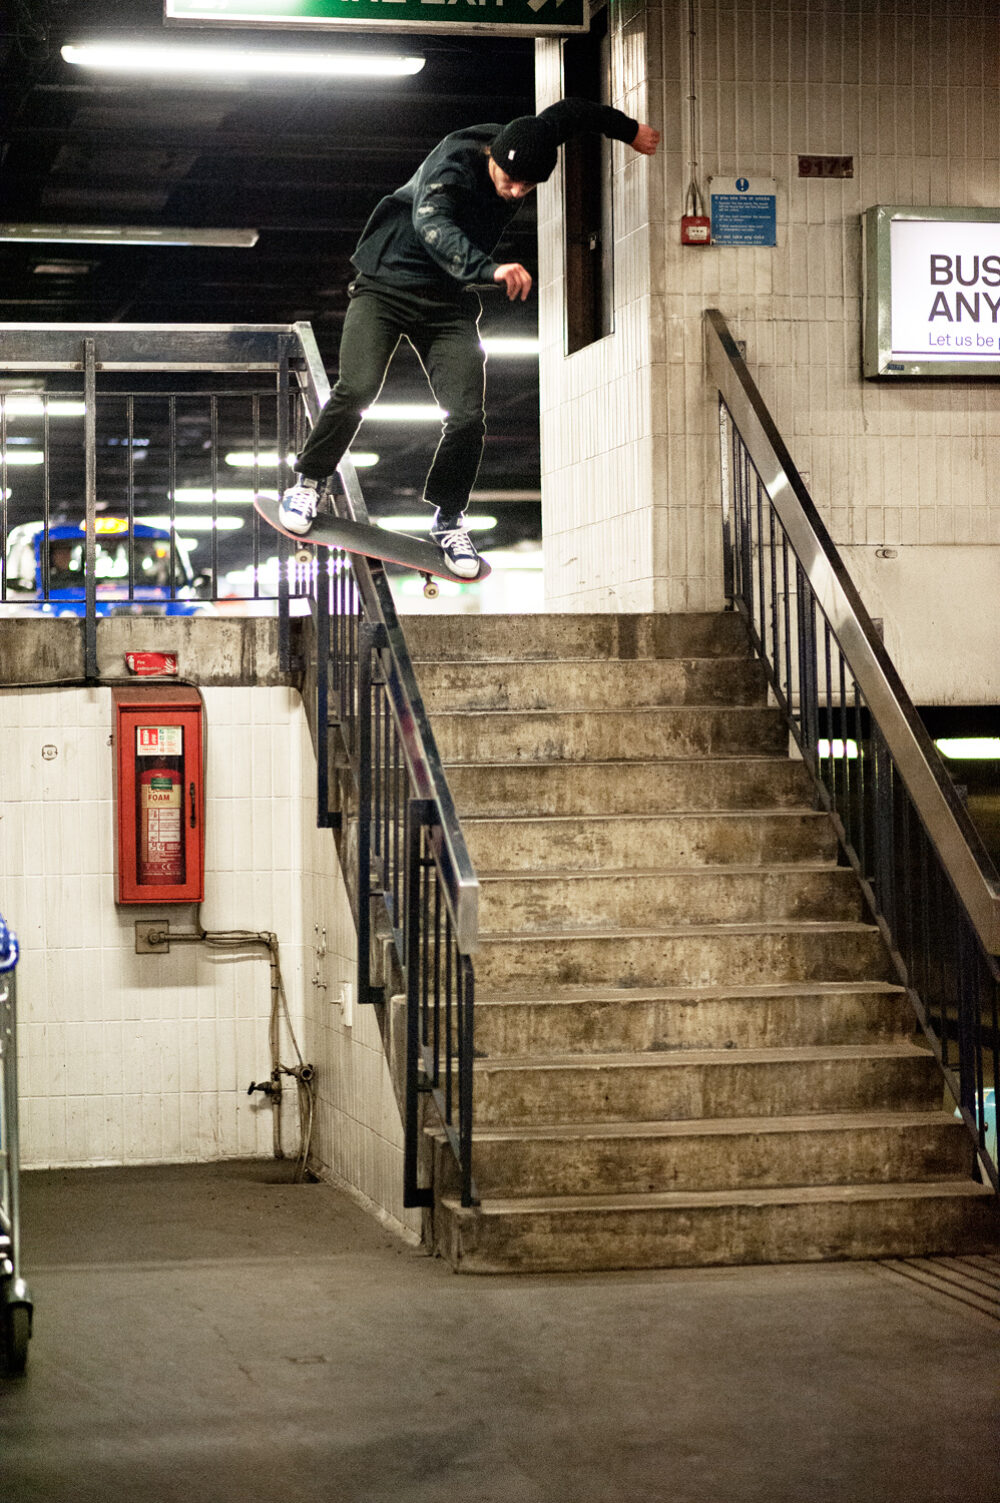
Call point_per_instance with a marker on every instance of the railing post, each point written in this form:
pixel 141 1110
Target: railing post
pixel 726 473
pixel 324 818
pixel 366 646
pixel 418 813
pixel 284 546
pixel 466 1059
pixel 90 512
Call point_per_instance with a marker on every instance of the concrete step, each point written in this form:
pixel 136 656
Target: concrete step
pixel 591 1158
pixel 586 685
pixel 568 635
pixel 612 734
pixel 614 787
pixel 580 1020
pixel 684 784
pixel 527 902
pixel 686 1229
pixel 713 1083
pixel 688 955
pixel 619 842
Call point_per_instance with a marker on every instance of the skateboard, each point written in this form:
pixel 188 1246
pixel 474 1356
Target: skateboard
pixel 329 531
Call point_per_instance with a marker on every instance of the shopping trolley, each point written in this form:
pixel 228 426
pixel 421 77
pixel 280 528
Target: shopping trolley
pixel 15 1301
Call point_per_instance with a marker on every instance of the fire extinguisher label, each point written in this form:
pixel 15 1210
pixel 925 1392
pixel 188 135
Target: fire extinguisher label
pixel 160 740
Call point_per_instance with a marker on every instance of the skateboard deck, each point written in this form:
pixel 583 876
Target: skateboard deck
pixel 329 531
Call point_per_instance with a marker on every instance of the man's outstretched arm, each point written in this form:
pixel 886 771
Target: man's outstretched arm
pixel 575 117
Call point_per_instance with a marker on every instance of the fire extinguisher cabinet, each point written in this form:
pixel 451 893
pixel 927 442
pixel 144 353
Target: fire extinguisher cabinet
pixel 159 795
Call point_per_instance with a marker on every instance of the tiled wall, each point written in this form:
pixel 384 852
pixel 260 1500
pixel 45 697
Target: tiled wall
pixel 127 1058
pixel 909 89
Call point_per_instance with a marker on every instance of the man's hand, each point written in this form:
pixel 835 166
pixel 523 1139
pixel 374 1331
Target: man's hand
pixel 515 279
pixel 646 141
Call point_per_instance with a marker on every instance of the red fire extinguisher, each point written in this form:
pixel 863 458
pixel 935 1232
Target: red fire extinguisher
pixel 161 824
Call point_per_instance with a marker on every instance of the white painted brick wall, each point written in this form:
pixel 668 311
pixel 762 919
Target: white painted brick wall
pixel 629 458
pixel 130 1059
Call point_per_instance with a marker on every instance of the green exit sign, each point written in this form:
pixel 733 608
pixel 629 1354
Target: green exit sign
pixel 517 17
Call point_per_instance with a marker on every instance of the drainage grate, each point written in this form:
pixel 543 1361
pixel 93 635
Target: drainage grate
pixel 973 1282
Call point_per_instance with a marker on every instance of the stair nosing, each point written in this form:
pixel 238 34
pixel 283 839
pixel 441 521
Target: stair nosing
pixel 721 1199
pixel 816 927
pixel 690 996
pixel 709 1127
pixel 650 1059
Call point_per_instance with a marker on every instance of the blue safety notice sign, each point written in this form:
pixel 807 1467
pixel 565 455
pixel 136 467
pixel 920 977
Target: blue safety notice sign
pixel 744 210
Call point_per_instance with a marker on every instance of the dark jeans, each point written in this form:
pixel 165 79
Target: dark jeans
pixel 445 334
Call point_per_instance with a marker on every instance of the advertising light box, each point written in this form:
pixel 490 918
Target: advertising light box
pixel 932 292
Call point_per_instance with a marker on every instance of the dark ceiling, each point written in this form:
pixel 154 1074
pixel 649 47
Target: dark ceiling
pixel 303 162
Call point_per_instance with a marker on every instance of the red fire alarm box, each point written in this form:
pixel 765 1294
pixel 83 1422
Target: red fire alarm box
pixel 159 796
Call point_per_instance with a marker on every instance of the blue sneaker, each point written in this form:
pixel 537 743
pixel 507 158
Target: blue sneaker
pixel 299 505
pixel 459 550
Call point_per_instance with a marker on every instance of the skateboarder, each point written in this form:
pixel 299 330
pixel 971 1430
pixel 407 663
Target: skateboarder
pixel 421 247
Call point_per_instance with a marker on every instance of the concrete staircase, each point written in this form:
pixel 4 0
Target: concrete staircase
pixel 690 1049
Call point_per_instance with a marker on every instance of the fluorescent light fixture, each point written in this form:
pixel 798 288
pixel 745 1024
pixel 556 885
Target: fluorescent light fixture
pixel 127 234
pixel 518 347
pixel 511 559
pixel 423 523
pixel 494 496
pixel 404 412
pixel 30 406
pixel 22 456
pixel 195 524
pixel 840 749
pixel 244 459
pixel 203 495
pixel 181 58
pixel 970 748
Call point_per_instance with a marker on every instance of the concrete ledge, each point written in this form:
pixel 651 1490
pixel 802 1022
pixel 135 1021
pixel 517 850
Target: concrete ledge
pixel 220 650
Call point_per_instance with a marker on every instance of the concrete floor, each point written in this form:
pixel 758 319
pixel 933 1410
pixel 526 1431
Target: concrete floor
pixel 212 1333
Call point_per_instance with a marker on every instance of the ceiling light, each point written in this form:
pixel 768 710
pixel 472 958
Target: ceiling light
pixel 404 412
pixel 22 456
pixel 511 346
pixel 839 749
pixel 494 496
pixel 30 406
pixel 62 268
pixel 423 523
pixel 245 459
pixel 970 748
pixel 128 234
pixel 511 558
pixel 203 495
pixel 166 57
pixel 196 524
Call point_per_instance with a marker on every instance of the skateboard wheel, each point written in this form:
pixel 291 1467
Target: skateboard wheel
pixel 431 590
pixel 303 555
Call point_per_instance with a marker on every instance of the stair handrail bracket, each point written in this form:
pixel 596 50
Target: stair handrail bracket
pixel 925 872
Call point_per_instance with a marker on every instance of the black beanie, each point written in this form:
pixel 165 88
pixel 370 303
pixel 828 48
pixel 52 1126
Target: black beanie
pixel 526 149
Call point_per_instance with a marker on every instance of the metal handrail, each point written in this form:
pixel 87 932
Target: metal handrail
pixel 423 760
pixel 944 816
pixel 414 859
pixel 924 872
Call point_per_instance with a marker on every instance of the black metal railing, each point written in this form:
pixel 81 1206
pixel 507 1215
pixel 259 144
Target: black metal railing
pixel 150 422
pixel 416 892
pixel 926 875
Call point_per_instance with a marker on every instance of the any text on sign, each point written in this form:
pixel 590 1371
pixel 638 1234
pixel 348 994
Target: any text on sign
pixel 945 290
pixel 932 291
pixel 744 211
pixel 523 17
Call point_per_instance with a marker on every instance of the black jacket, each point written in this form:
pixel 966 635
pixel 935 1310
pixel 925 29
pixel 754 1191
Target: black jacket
pixel 440 228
